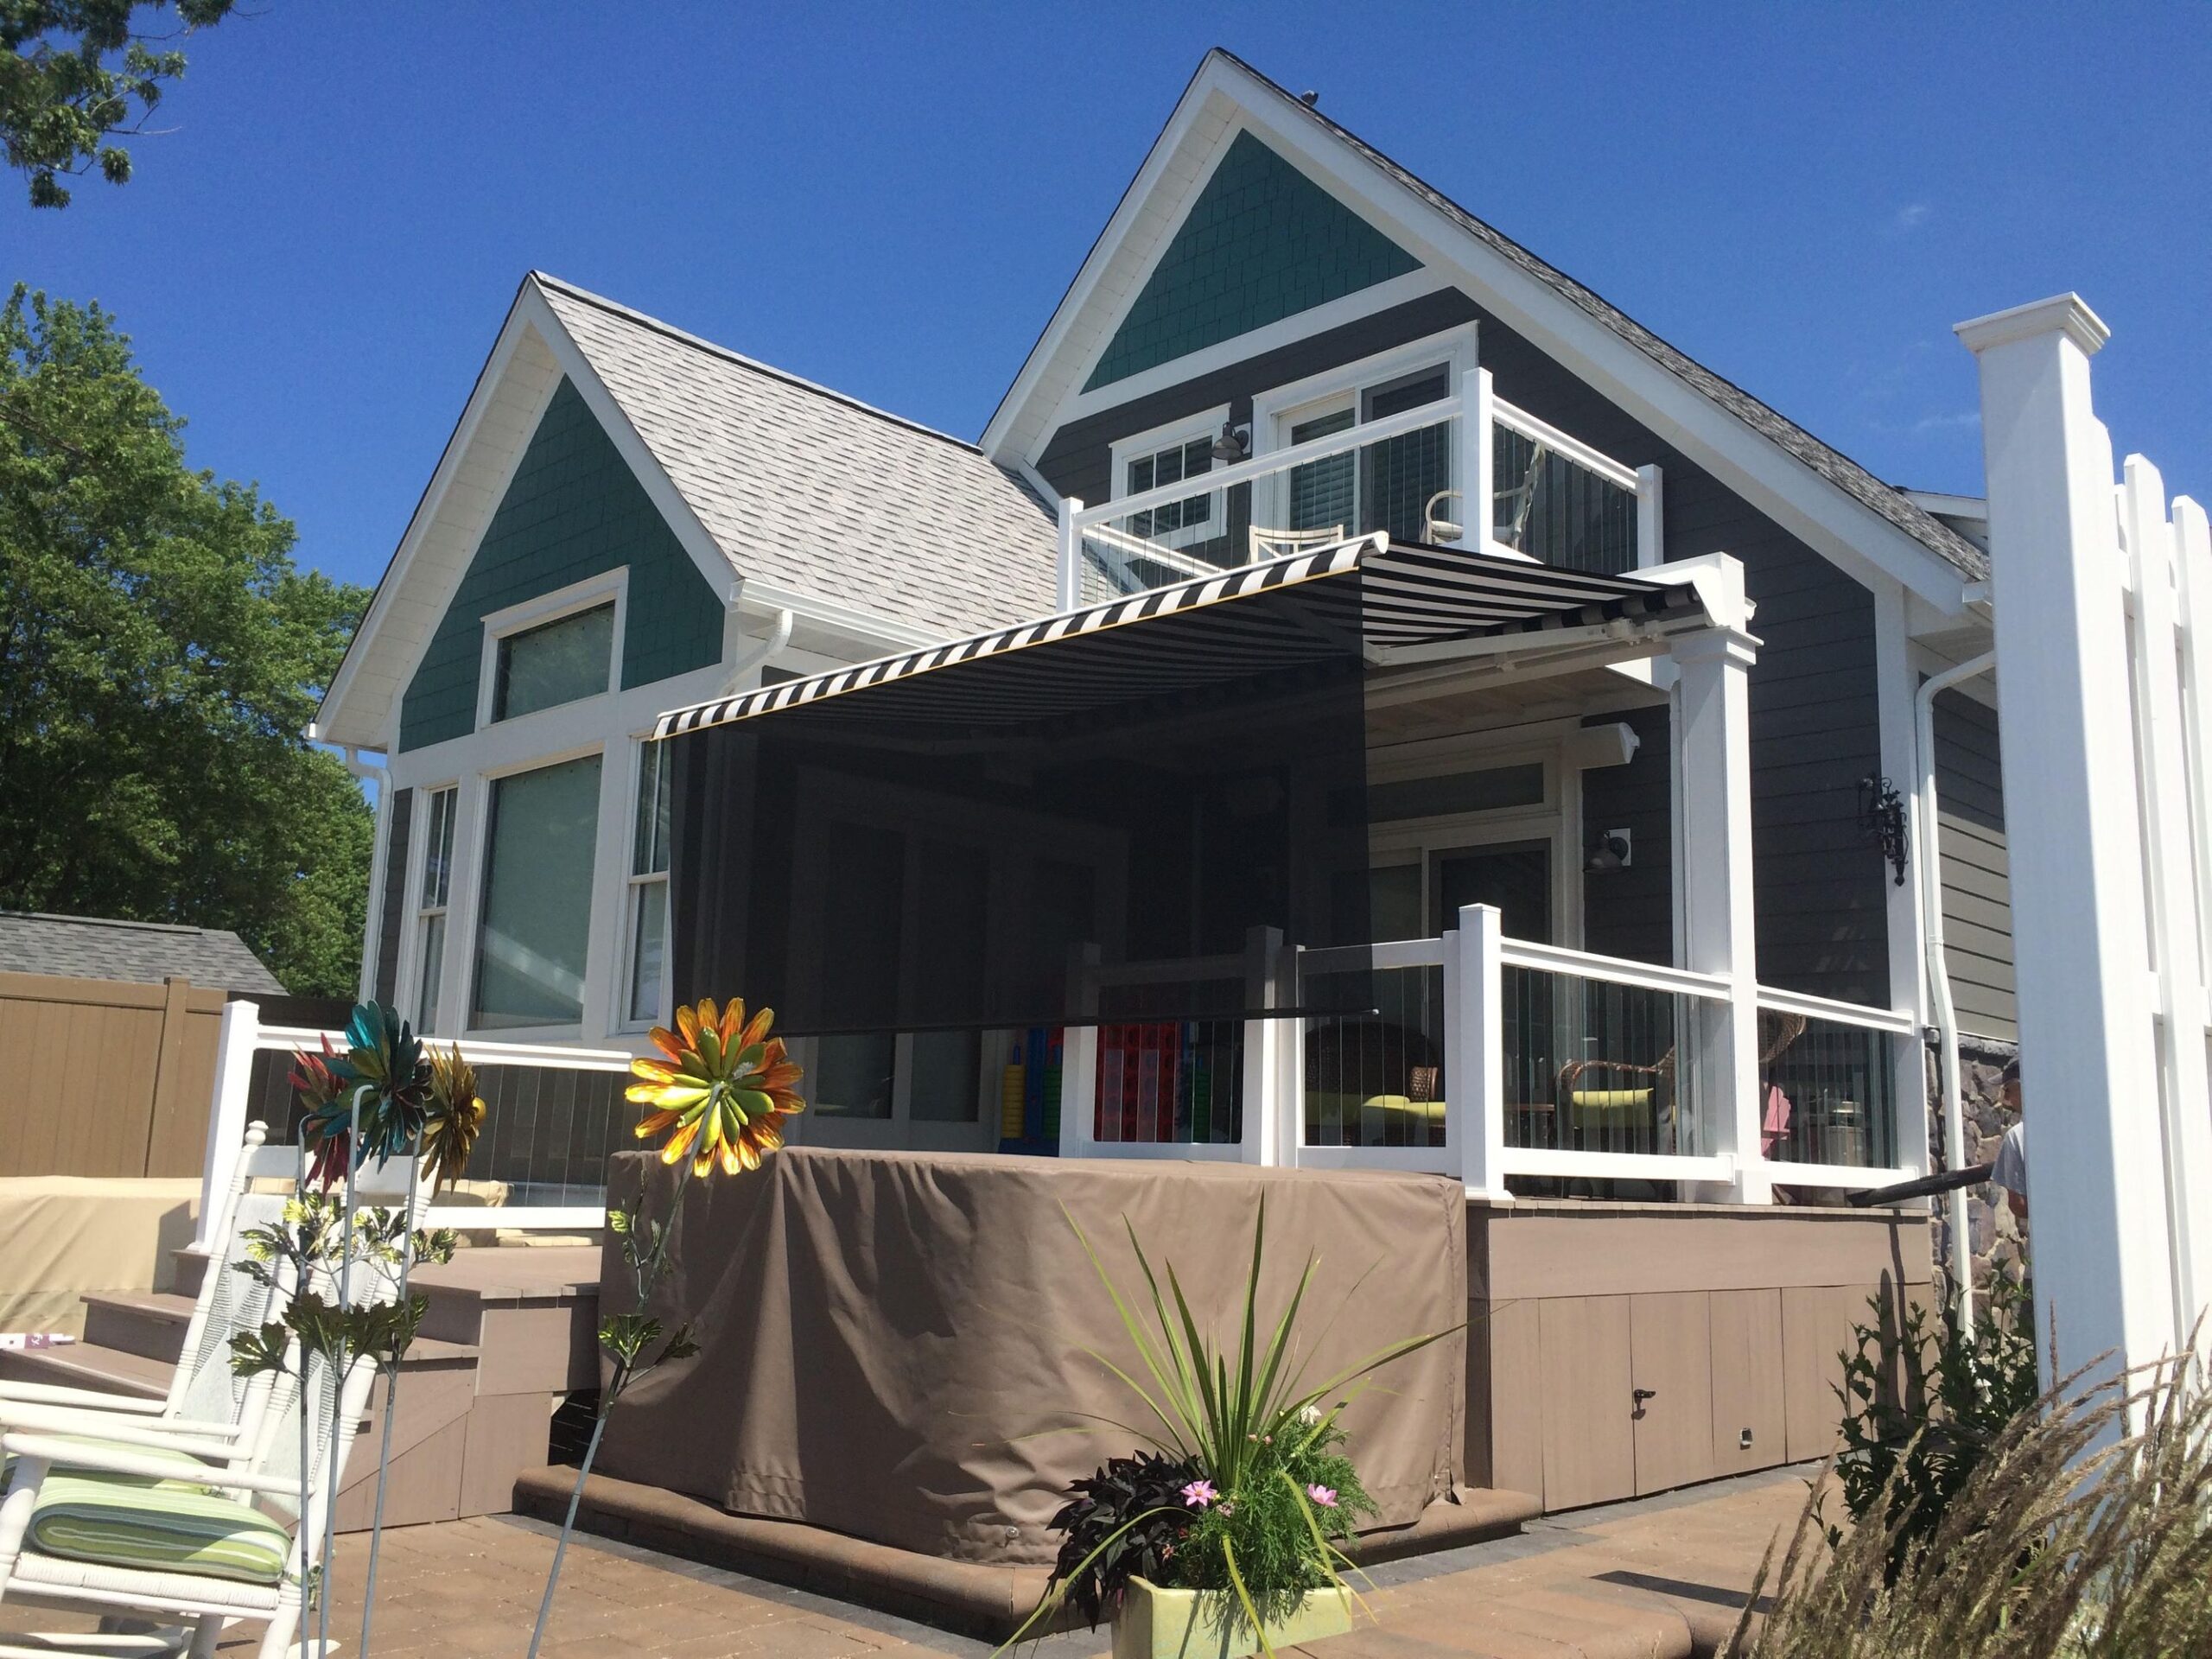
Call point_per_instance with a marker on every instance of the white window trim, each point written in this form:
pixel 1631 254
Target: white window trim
pixel 480 828
pixel 408 983
pixel 619 1018
pixel 1206 425
pixel 588 595
pixel 1274 411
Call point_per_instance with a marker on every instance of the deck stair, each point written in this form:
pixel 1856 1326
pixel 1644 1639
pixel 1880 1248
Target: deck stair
pixel 508 1333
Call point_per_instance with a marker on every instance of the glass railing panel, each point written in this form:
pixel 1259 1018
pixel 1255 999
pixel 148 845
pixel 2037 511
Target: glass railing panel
pixel 1377 1080
pixel 1827 1092
pixel 1595 1066
pixel 1557 510
pixel 1170 1082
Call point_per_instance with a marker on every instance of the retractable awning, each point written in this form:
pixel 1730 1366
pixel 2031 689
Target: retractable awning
pixel 1409 602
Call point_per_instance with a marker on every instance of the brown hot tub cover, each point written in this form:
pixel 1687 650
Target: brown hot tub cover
pixel 892 1342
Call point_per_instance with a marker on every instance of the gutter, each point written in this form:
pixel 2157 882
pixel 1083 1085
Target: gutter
pixel 1939 974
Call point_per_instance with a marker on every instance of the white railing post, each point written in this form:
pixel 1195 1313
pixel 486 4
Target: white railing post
pixel 1079 1055
pixel 1474 1051
pixel 2097 1180
pixel 1713 874
pixel 235 1041
pixel 2170 857
pixel 1480 508
pixel 1265 1072
pixel 1651 518
pixel 1068 585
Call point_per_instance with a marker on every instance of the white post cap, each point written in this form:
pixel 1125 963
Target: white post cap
pixel 2066 313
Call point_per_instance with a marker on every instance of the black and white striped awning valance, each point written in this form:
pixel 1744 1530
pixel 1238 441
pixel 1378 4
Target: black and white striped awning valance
pixel 1405 596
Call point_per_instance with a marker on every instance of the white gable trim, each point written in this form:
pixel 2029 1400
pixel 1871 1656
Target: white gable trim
pixel 1222 97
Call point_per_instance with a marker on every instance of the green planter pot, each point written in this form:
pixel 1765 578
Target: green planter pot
pixel 1156 1623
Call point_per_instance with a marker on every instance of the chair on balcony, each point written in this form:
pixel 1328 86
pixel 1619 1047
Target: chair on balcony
pixel 1634 1098
pixel 1265 543
pixel 1372 1082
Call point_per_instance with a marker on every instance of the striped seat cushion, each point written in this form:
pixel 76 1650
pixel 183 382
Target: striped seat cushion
pixel 156 1525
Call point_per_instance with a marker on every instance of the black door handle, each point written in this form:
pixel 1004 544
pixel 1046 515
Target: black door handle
pixel 1642 1394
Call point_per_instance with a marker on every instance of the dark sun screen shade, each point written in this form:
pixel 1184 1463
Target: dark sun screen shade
pixel 1102 828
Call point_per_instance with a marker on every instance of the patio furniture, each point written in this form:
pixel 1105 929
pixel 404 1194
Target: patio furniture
pixel 1385 1075
pixel 1264 544
pixel 205 1399
pixel 1622 1100
pixel 178 1531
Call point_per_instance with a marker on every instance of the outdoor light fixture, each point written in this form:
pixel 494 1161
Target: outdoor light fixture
pixel 1234 443
pixel 1434 529
pixel 1614 851
pixel 1881 819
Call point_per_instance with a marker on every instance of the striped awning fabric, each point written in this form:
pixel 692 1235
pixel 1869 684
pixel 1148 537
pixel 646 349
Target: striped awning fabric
pixel 1405 595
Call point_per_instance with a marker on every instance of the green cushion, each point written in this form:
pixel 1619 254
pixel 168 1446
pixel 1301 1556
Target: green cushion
pixel 182 1459
pixel 155 1526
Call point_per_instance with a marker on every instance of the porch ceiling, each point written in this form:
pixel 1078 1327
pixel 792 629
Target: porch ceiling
pixel 1410 604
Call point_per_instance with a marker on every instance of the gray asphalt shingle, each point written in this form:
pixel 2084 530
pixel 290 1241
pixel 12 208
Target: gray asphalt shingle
pixel 807 489
pixel 91 947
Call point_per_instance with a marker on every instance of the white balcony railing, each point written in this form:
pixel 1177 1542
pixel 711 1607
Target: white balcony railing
pixel 1485 1057
pixel 1549 497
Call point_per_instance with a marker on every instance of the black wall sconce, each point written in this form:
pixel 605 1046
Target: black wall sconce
pixel 1614 851
pixel 1881 819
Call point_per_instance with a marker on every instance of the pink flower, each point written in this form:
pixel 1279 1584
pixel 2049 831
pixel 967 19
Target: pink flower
pixel 1199 1493
pixel 1325 1495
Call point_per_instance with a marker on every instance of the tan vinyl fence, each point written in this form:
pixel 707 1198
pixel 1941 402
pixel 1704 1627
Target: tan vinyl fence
pixel 104 1076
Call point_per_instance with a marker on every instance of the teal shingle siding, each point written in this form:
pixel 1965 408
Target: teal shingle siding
pixel 573 510
pixel 1262 243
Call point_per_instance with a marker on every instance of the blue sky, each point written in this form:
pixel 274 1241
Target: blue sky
pixel 314 260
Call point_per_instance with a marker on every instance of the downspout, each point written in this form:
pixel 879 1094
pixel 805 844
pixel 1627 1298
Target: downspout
pixel 746 661
pixel 1939 974
pixel 381 773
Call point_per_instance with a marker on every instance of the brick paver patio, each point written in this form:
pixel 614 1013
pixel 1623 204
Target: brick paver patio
pixel 1661 1579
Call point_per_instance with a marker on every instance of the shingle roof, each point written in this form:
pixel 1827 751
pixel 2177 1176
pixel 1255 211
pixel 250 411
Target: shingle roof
pixel 91 947
pixel 1838 469
pixel 808 489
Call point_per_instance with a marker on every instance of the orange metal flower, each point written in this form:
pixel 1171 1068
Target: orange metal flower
pixel 725 1086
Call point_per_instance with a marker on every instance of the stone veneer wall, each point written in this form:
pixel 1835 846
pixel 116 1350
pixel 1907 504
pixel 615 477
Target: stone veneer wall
pixel 1995 1236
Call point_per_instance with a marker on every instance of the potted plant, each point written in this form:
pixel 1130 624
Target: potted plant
pixel 1227 1535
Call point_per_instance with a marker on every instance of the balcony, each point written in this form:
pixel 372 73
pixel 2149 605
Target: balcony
pixel 1408 472
pixel 1494 1059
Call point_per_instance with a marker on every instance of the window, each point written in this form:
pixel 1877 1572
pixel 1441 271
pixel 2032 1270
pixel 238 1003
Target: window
pixel 554 662
pixel 1386 485
pixel 646 999
pixel 536 921
pixel 1179 523
pixel 431 910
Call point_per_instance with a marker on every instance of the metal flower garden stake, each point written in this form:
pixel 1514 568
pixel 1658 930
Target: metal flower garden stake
pixel 724 1088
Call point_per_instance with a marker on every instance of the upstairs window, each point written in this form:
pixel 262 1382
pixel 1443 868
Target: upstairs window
pixel 1386 485
pixel 1178 524
pixel 554 662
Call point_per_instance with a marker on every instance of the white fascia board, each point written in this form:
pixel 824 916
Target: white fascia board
pixel 1010 417
pixel 391 598
pixel 712 562
pixel 868 627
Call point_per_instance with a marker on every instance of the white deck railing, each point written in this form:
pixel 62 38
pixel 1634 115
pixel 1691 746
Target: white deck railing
pixel 1487 1057
pixel 524 1167
pixel 1514 486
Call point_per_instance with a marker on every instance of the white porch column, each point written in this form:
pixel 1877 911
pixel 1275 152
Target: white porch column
pixel 234 1045
pixel 1713 736
pixel 1474 1051
pixel 1270 1067
pixel 1069 576
pixel 1079 1057
pixel 2097 1171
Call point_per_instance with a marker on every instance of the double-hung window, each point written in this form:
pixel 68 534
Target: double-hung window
pixel 1194 519
pixel 430 908
pixel 645 988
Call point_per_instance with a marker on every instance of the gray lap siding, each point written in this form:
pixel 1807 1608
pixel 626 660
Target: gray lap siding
pixel 1820 885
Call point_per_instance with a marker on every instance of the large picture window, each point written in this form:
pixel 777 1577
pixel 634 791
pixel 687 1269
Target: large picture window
pixel 537 918
pixel 554 662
